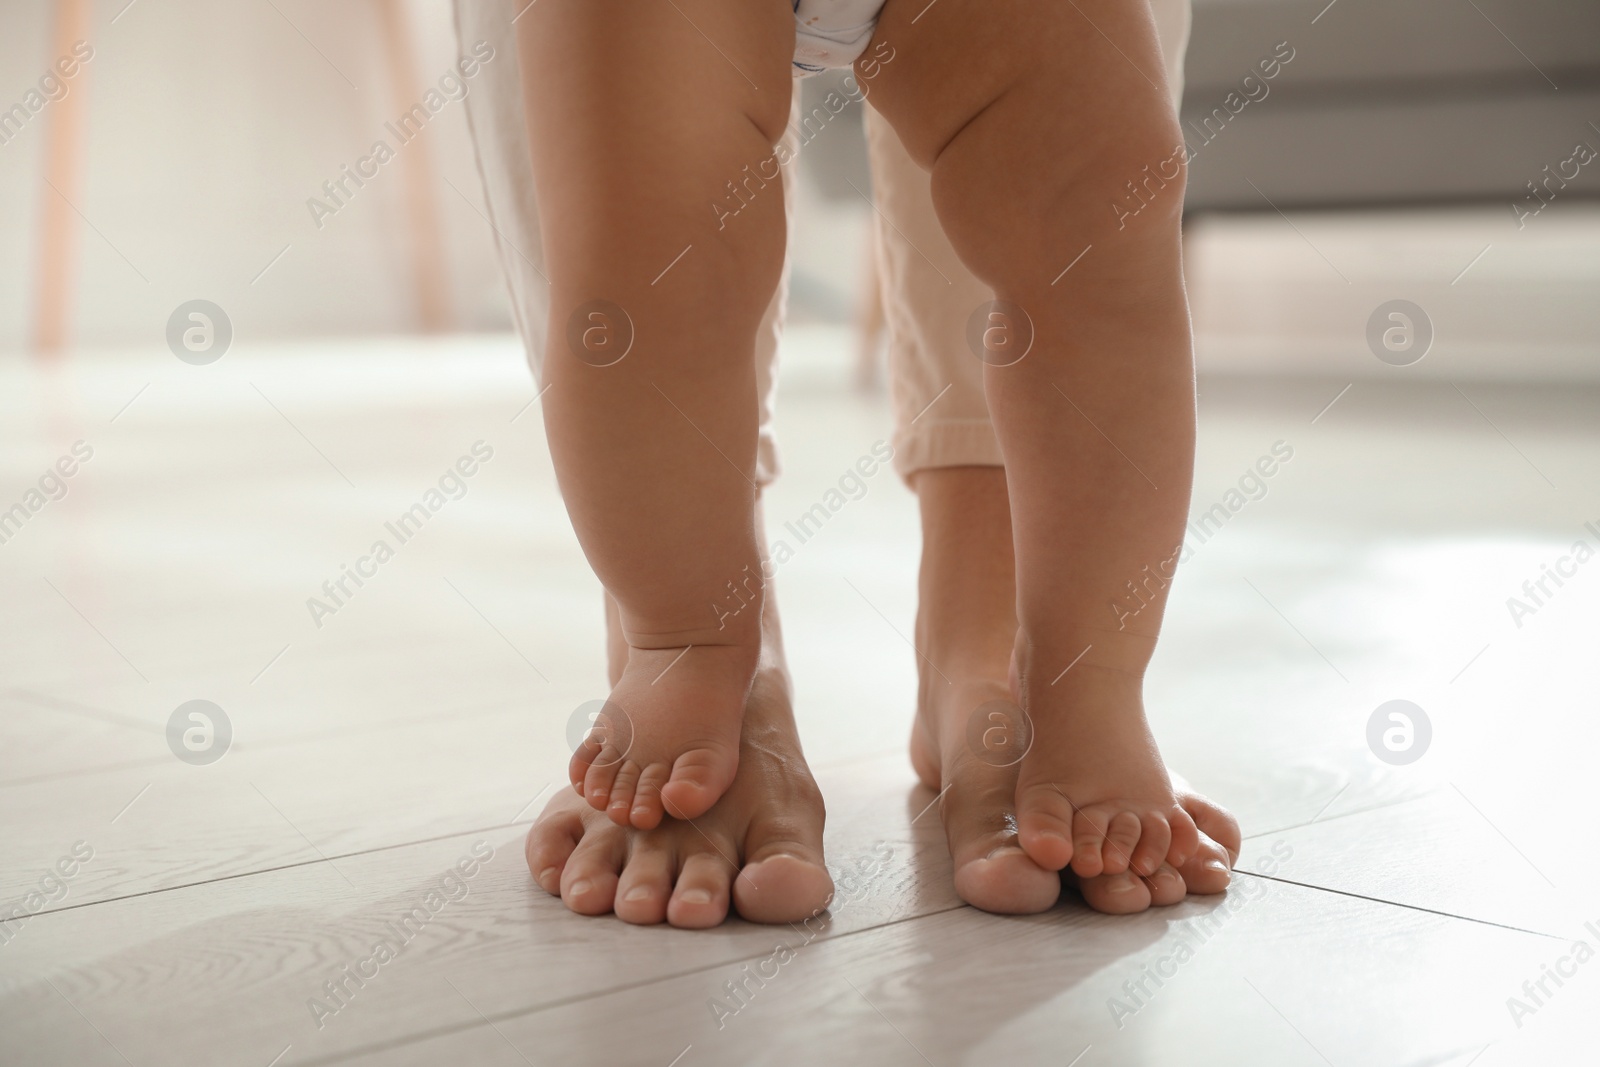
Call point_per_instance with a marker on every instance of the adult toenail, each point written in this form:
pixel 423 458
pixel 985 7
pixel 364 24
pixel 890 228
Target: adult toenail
pixel 695 896
pixel 638 892
pixel 579 888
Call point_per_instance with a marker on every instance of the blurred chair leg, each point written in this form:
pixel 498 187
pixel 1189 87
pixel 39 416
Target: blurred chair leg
pixel 430 280
pixel 63 176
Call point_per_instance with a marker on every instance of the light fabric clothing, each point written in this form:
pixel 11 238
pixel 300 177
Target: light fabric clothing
pixel 832 33
pixel 936 383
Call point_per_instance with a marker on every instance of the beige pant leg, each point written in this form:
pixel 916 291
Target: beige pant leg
pixel 505 167
pixel 935 380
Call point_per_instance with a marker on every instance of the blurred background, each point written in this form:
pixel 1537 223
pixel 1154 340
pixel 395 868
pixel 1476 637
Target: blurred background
pixel 1429 149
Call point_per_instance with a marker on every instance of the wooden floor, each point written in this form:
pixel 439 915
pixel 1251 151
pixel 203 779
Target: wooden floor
pixel 1383 914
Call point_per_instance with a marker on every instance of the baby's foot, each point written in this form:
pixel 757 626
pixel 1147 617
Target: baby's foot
pixel 758 847
pixel 668 740
pixel 977 783
pixel 1206 872
pixel 1092 791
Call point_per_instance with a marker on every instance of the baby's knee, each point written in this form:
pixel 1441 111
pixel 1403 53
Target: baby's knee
pixel 1026 182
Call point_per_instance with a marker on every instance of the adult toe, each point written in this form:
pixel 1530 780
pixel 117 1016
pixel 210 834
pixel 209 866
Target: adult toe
pixel 589 880
pixel 700 899
pixel 646 882
pixel 784 878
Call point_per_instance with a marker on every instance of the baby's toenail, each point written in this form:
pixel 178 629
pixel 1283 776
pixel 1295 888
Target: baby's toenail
pixel 638 892
pixel 695 896
pixel 580 888
pixel 544 875
pixel 1216 865
pixel 1119 885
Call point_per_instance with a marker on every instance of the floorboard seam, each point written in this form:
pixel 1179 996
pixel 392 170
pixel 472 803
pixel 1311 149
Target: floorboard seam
pixel 1398 904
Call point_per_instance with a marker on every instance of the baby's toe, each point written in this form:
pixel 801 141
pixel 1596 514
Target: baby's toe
pixel 1045 827
pixel 620 799
pixel 1185 837
pixel 1089 830
pixel 647 811
pixel 646 884
pixel 699 778
pixel 597 784
pixel 700 899
pixel 1122 838
pixel 1155 838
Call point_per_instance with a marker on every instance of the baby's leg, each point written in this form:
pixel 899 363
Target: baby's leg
pixel 1057 108
pixel 640 115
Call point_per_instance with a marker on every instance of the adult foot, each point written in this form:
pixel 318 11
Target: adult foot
pixel 758 848
pixel 667 742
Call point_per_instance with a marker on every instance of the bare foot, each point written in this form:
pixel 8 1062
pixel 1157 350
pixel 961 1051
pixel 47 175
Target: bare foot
pixel 759 847
pixel 1206 872
pixel 971 743
pixel 669 737
pixel 1092 791
pixel 976 801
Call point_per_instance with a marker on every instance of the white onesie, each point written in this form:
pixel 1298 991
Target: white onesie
pixel 832 33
